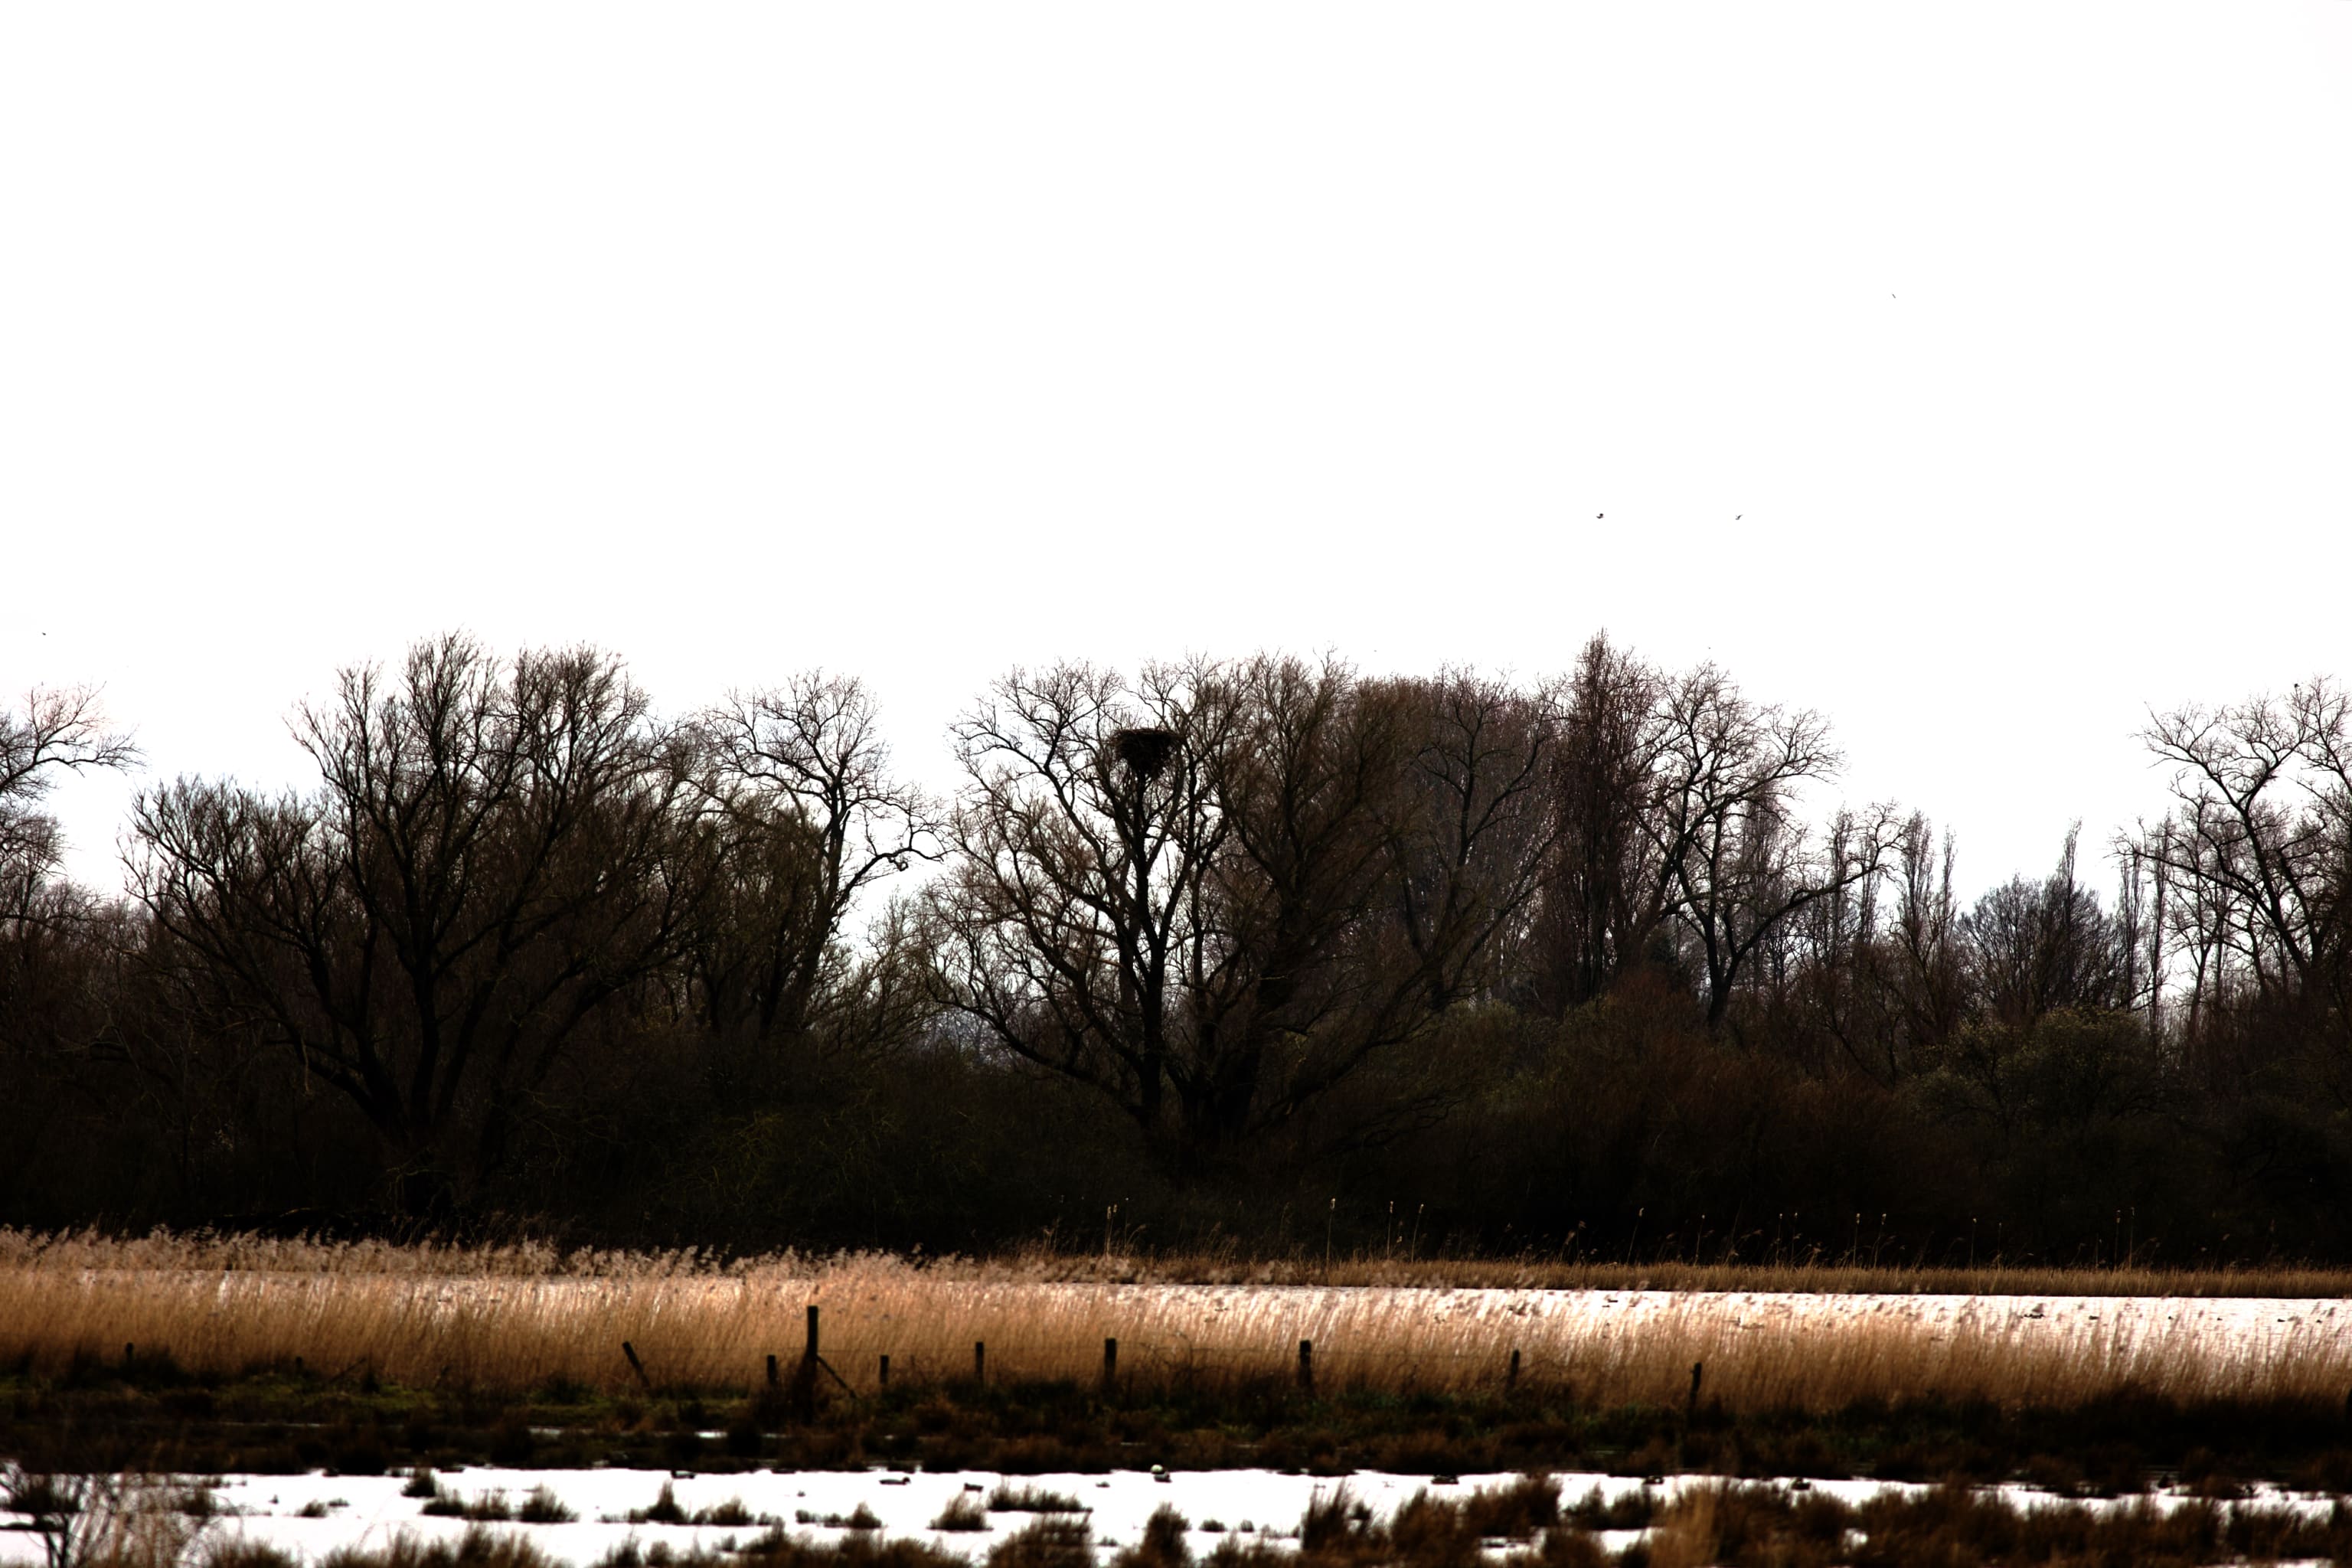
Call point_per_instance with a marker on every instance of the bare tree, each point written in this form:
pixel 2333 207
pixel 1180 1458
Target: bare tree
pixel 487 862
pixel 1477 832
pixel 2257 851
pixel 1388 838
pixel 1736 861
pixel 2038 948
pixel 1217 893
pixel 1605 893
pixel 56 731
pixel 57 941
pixel 1305 783
pixel 1075 905
pixel 1930 965
pixel 2141 909
pixel 808 818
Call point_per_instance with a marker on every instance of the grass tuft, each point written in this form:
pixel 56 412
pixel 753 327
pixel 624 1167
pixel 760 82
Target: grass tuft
pixel 1163 1544
pixel 1032 1500
pixel 963 1512
pixel 1049 1541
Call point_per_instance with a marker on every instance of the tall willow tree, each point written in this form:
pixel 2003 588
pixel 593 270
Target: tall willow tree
pixel 482 869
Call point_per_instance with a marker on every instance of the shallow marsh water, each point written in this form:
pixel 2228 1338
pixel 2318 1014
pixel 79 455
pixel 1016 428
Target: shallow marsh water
pixel 368 1511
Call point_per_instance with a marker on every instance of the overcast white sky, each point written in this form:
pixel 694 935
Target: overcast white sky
pixel 1977 374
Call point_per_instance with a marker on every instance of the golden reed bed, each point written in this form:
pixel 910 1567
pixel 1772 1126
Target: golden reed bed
pixel 514 1319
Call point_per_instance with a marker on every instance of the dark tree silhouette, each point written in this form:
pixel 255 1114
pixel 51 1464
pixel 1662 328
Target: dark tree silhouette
pixel 479 871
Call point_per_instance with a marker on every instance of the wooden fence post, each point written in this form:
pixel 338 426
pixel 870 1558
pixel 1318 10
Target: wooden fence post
pixel 882 1380
pixel 1511 1378
pixel 1698 1368
pixel 1110 1365
pixel 636 1366
pixel 804 1381
pixel 979 1361
pixel 1306 1365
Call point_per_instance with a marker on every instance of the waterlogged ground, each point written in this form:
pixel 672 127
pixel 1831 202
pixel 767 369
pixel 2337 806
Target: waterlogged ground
pixel 313 1514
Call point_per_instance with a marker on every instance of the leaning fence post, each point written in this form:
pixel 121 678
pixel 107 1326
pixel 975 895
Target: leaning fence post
pixel 1306 1365
pixel 1511 1378
pixel 635 1365
pixel 1110 1364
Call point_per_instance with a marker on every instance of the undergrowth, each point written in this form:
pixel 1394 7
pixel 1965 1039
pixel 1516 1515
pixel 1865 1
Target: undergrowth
pixel 159 1419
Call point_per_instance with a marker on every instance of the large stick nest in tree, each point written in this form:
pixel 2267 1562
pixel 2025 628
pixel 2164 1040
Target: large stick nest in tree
pixel 1145 752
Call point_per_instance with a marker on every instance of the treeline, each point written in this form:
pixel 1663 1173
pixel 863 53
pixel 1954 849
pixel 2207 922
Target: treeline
pixel 1262 951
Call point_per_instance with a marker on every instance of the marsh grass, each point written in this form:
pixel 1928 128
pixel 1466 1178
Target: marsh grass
pixel 1740 1525
pixel 1163 1544
pixel 1523 1525
pixel 240 1253
pixel 103 1521
pixel 1049 1541
pixel 540 1506
pixel 962 1513
pixel 477 1548
pixel 514 1319
pixel 1744 1525
pixel 1032 1500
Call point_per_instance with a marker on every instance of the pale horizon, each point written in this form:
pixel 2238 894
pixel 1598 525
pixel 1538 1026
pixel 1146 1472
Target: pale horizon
pixel 1972 378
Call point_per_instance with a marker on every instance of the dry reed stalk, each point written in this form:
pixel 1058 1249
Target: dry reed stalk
pixel 1685 1535
pixel 515 1319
